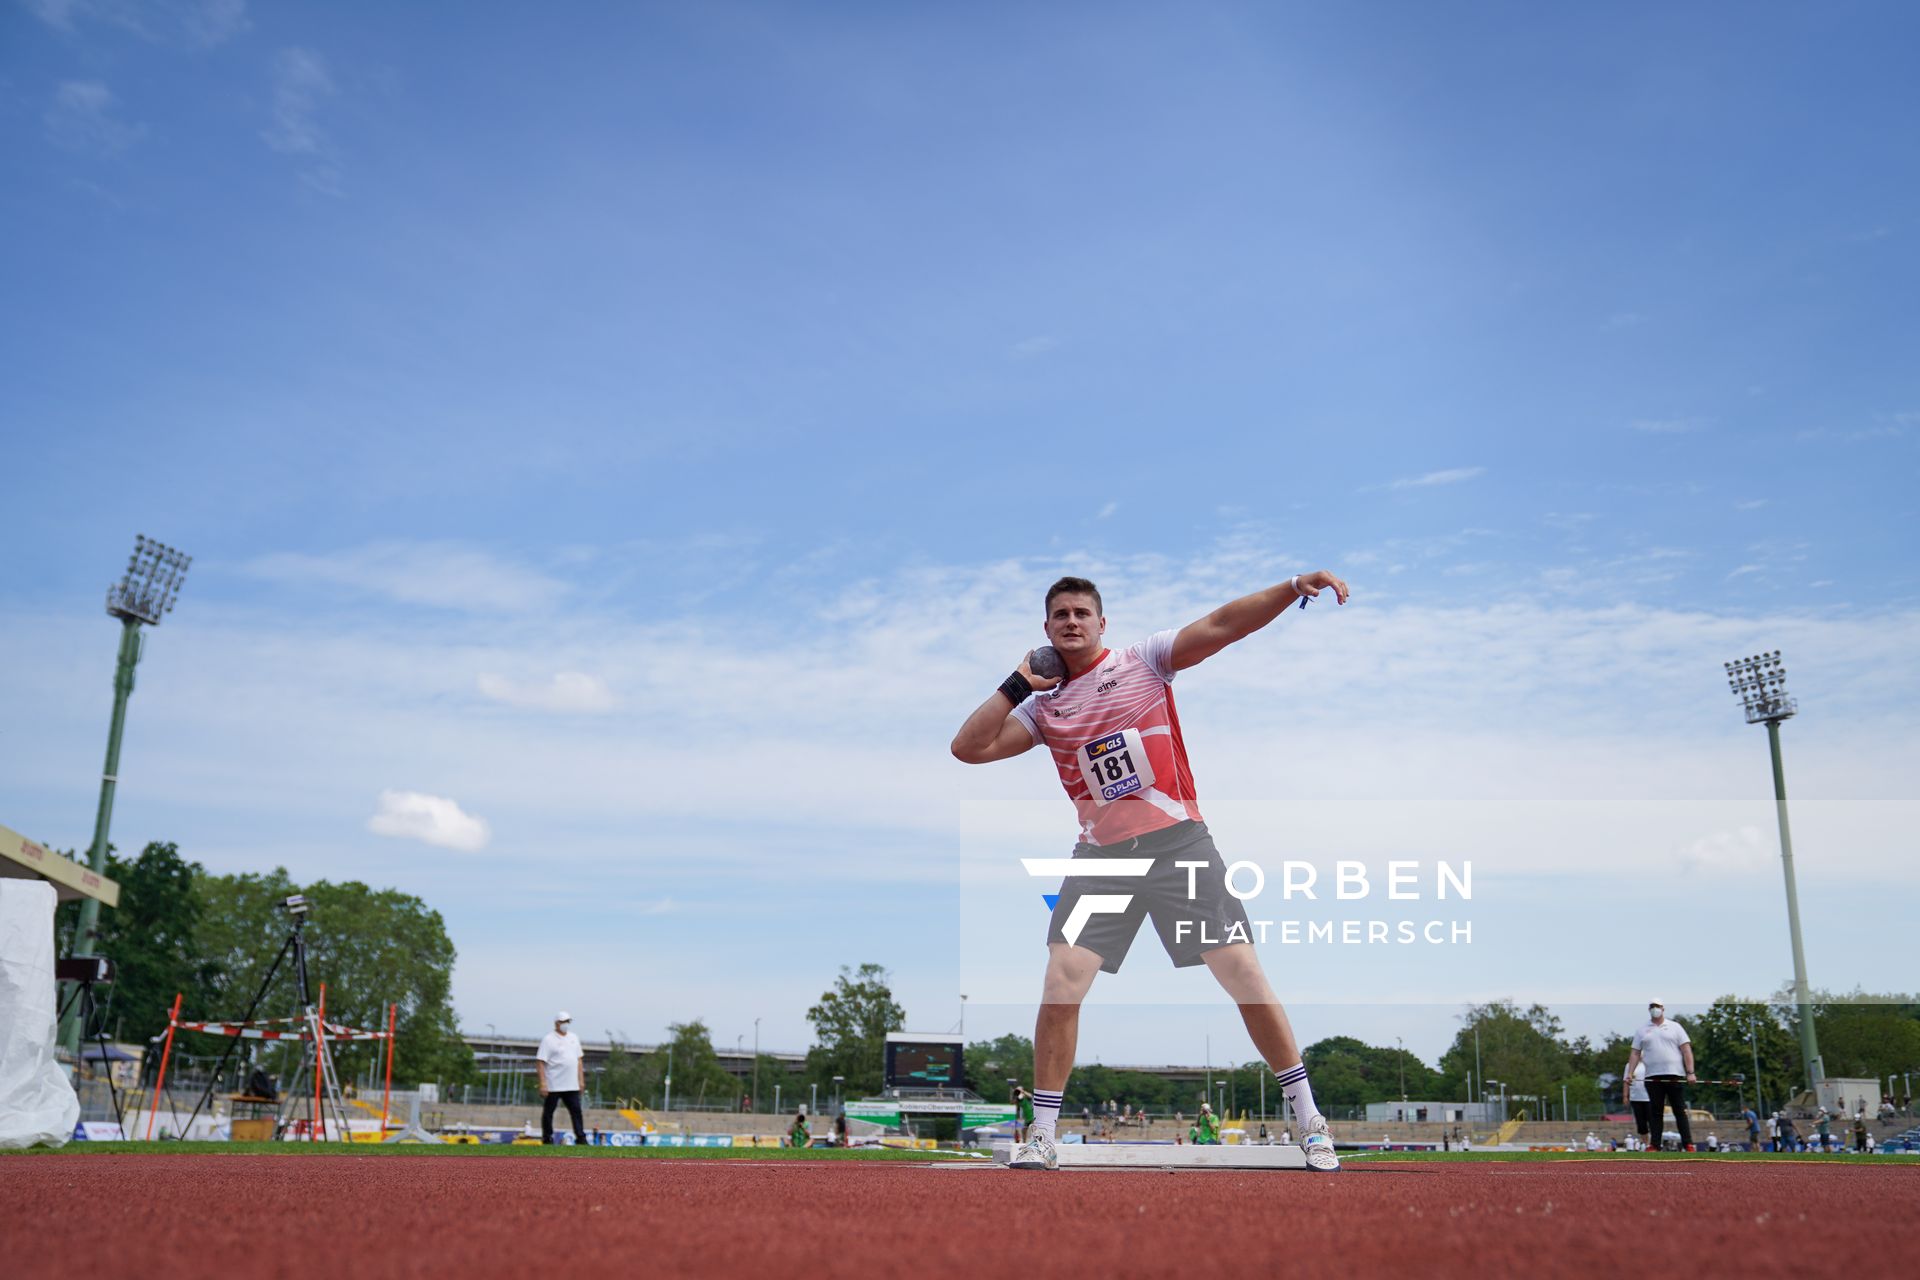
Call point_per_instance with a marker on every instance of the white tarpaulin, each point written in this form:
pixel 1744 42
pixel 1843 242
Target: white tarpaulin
pixel 37 1103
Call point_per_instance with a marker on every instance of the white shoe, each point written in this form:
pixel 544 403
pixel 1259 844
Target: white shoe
pixel 1318 1144
pixel 1035 1153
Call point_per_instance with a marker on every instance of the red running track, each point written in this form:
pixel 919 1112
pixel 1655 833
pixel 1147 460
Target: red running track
pixel 168 1217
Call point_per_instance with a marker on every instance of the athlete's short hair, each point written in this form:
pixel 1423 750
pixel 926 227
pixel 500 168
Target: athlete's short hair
pixel 1075 586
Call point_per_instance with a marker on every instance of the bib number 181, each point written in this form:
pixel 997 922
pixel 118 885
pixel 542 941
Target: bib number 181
pixel 1115 766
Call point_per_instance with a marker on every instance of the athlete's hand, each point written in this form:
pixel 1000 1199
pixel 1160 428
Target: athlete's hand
pixel 1312 584
pixel 1038 682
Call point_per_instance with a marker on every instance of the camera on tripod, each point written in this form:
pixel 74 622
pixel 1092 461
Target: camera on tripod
pixel 91 969
pixel 294 904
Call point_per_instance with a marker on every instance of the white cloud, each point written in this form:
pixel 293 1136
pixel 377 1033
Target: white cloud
pixel 83 117
pixel 1736 852
pixel 1892 430
pixel 59 14
pixel 414 815
pixel 441 574
pixel 301 83
pixel 1452 475
pixel 1668 426
pixel 567 691
pixel 1029 348
pixel 1107 511
pixel 194 23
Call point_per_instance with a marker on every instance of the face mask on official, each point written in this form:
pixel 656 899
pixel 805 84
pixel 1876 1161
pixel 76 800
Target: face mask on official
pixel 1656 1012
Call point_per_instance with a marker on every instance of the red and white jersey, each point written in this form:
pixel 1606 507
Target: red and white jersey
pixel 1115 739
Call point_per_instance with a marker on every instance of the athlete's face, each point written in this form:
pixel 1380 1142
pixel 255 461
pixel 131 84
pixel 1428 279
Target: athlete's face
pixel 1074 625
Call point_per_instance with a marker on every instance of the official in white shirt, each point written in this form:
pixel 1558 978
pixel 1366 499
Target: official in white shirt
pixel 561 1065
pixel 1668 1053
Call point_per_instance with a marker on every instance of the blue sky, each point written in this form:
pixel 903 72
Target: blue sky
pixel 649 433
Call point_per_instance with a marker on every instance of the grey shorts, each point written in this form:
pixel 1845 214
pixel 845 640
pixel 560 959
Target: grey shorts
pixel 1189 926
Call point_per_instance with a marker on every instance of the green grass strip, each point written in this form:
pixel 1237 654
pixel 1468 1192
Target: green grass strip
pixel 499 1151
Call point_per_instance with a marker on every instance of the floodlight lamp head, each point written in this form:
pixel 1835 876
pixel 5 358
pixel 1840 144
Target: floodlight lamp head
pixel 151 584
pixel 1760 682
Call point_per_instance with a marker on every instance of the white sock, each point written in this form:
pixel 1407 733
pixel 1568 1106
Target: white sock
pixel 1046 1113
pixel 1293 1083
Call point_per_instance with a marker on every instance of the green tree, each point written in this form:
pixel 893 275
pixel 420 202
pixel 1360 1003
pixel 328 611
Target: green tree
pixel 1593 1073
pixel 151 937
pixel 1521 1047
pixel 698 1077
pixel 371 947
pixel 1727 1038
pixel 1350 1072
pixel 625 1078
pixel 991 1063
pixel 850 1025
pixel 1867 1034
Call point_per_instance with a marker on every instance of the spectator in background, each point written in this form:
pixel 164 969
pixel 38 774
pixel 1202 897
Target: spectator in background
pixel 1789 1134
pixel 1208 1126
pixel 1668 1052
pixel 1773 1132
pixel 1022 1113
pixel 840 1129
pixel 1753 1128
pixel 799 1135
pixel 1821 1126
pixel 1860 1130
pixel 561 1066
pixel 1637 1099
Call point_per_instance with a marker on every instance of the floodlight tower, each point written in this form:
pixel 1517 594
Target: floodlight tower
pixel 143 596
pixel 1760 682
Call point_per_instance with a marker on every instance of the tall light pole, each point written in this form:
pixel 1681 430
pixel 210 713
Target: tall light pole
pixel 1760 682
pixel 837 1082
pixel 963 1015
pixel 144 595
pixel 493 1059
pixel 1759 1089
pixel 1403 1067
pixel 756 1065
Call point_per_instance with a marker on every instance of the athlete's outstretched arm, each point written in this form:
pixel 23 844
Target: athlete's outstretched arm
pixel 991 732
pixel 1238 619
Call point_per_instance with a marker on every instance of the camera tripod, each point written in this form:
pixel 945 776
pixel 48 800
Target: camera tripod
pixel 84 972
pixel 316 1055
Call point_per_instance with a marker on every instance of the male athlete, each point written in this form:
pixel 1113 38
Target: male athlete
pixel 1111 726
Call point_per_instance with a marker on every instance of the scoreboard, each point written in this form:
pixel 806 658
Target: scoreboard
pixel 924 1062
